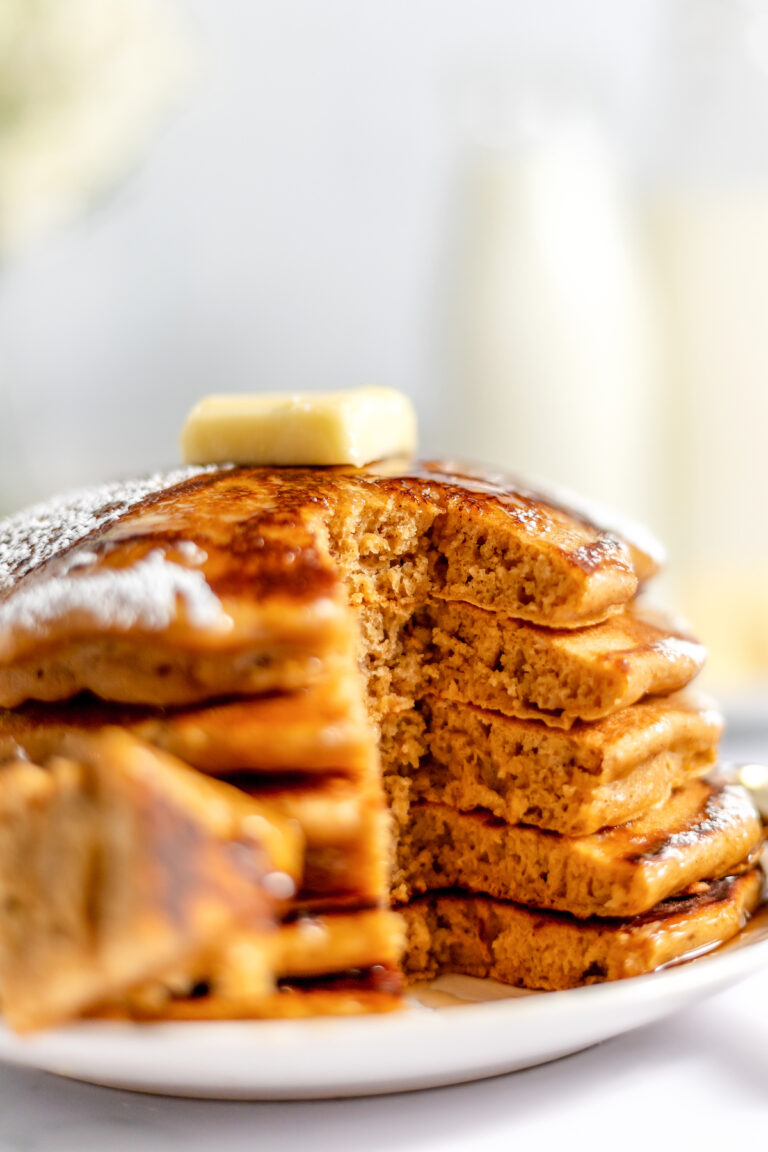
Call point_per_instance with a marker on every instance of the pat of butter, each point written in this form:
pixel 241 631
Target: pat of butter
pixel 315 428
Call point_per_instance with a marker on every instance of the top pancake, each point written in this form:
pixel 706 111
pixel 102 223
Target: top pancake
pixel 206 581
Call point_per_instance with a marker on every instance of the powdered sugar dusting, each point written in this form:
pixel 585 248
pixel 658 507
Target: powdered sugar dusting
pixel 605 550
pixel 45 531
pixel 145 596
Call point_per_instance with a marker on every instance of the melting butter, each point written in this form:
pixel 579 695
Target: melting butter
pixel 316 428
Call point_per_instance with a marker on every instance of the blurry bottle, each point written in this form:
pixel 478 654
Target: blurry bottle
pixel 550 372
pixel 83 86
pixel 709 230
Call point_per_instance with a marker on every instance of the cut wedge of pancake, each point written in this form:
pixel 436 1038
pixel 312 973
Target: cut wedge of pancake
pixel 559 676
pixel 325 963
pixel 477 936
pixel 705 830
pixel 323 942
pixel 404 530
pixel 237 580
pixel 574 782
pixel 117 862
pixel 493 661
pixel 376 990
pixel 341 813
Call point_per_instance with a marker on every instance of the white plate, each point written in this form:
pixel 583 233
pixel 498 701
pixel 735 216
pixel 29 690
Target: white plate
pixel 455 1030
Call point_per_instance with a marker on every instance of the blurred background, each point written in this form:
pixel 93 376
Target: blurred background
pixel 548 223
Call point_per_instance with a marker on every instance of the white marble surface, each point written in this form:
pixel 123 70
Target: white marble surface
pixel 695 1080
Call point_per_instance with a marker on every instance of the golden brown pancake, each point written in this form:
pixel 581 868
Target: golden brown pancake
pixel 236 580
pixel 311 954
pixel 117 862
pixel 707 829
pixel 319 729
pixel 340 811
pixel 374 990
pixel 346 830
pixel 495 662
pixel 521 771
pixel 477 936
pixel 313 944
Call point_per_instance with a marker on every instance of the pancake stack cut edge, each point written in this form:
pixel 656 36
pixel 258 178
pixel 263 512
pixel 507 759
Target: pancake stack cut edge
pixel 345 691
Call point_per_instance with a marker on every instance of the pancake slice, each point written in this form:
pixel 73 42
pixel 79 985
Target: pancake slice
pixel 322 728
pixel 326 962
pixel 706 830
pixel 573 782
pixel 478 936
pixel 325 941
pixel 179 598
pixel 490 541
pixel 341 811
pixel 493 661
pixel 376 990
pixel 346 830
pixel 117 862
pixel 139 671
pixel 559 676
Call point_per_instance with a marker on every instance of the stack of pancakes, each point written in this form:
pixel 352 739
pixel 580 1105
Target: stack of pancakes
pixel 577 844
pixel 291 637
pixel 306 764
pixel 141 628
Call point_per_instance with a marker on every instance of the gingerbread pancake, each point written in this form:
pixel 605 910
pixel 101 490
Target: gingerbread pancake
pixel 477 936
pixel 706 830
pixel 117 862
pixel 574 782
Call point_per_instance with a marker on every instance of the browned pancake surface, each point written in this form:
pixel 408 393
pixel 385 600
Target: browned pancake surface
pixel 116 862
pixel 320 729
pixel 340 810
pixel 477 936
pixel 706 830
pixel 309 955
